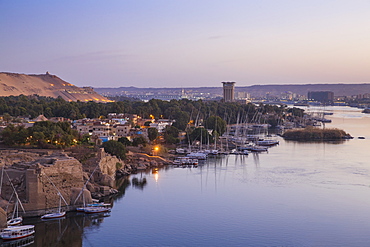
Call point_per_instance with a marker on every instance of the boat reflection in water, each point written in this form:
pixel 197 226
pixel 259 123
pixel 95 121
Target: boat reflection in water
pixel 27 241
pixel 66 231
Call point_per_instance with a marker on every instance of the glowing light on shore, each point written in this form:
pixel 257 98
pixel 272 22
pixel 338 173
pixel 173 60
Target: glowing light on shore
pixel 155 173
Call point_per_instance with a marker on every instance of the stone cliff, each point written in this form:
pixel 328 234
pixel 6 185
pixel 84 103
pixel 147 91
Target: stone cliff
pixel 102 166
pixel 37 175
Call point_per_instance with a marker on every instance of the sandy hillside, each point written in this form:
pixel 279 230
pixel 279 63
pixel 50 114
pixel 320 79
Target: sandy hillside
pixel 45 85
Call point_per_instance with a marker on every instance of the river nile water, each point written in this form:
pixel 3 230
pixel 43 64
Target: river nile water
pixel 297 194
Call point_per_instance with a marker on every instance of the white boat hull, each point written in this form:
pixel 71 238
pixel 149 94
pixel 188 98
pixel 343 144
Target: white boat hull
pixel 17 232
pixel 53 215
pixel 94 210
pixel 15 221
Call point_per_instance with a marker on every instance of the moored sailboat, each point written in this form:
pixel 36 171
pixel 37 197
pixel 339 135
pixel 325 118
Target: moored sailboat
pixel 96 206
pixel 16 219
pixel 93 210
pixel 57 214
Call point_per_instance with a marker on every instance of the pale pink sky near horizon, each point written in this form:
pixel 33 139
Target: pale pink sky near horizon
pixel 187 43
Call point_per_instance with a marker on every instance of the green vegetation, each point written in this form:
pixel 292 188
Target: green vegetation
pixel 194 117
pixel 152 134
pixel 171 135
pixel 315 134
pixel 140 140
pixel 115 148
pixel 118 166
pixel 182 110
pixel 200 134
pixel 125 141
pixel 43 134
pixel 217 124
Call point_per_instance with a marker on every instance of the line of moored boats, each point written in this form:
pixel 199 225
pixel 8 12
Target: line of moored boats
pixel 193 158
pixel 16 231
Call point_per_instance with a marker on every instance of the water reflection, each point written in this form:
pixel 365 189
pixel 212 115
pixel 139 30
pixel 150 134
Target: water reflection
pixel 67 231
pixel 318 141
pixel 28 241
pixel 139 183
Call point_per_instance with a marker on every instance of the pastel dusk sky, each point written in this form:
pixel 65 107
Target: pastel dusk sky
pixel 187 43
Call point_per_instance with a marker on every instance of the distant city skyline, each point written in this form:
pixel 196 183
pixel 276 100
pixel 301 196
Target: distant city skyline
pixel 187 43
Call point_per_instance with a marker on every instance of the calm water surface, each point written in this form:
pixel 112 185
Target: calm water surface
pixel 297 194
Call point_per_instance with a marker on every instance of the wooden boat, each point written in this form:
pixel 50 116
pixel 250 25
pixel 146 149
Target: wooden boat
pixel 16 219
pixel 57 214
pixel 94 210
pixel 258 149
pixel 267 143
pixel 53 215
pixel 17 232
pixel 95 204
pixel 80 209
pixel 197 155
pixel 88 207
pixel 99 208
pixel 99 204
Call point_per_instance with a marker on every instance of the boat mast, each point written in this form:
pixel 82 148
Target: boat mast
pixel 83 187
pixel 215 131
pixel 15 192
pixel 2 175
pixel 60 195
pixel 15 210
pixel 60 202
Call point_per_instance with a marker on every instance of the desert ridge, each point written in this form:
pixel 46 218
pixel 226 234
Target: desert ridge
pixel 45 85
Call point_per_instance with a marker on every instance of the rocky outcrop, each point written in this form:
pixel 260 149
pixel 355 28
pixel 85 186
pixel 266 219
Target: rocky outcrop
pixel 38 176
pixel 2 218
pixel 102 166
pixel 80 196
pixel 140 161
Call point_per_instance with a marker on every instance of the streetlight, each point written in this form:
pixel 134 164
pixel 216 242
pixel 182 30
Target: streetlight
pixel 156 149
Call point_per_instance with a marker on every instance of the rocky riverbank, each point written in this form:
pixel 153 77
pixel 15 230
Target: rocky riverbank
pixel 31 171
pixel 140 161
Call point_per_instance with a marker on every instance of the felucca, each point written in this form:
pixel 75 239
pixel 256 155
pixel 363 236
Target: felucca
pixel 59 213
pixel 15 219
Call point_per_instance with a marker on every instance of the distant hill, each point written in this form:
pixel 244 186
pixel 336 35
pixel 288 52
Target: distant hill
pixel 339 89
pixel 45 85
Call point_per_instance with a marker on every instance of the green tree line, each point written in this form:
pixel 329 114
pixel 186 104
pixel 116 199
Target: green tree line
pixel 182 111
pixel 43 134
